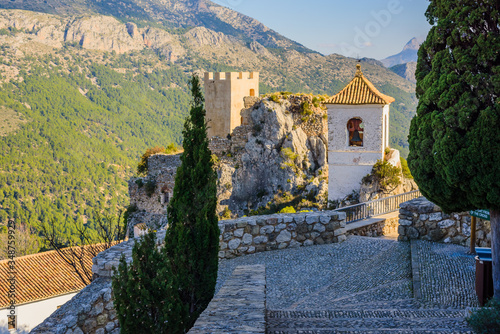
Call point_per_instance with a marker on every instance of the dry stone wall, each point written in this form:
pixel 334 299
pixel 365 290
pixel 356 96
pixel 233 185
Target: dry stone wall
pixel 92 311
pixel 264 233
pixel 422 219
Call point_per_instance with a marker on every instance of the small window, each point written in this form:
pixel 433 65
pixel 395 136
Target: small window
pixel 12 322
pixel 355 131
pixel 252 92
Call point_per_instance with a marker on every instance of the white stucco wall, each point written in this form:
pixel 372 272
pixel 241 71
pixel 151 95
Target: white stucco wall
pixel 29 315
pixel 348 164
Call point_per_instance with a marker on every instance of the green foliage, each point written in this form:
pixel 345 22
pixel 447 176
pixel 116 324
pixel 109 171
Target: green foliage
pixel 305 108
pixel 405 169
pixel 454 139
pixel 226 213
pixel 144 292
pixel 75 153
pixel 288 209
pixel 486 320
pixel 150 187
pixel 386 174
pixel 192 239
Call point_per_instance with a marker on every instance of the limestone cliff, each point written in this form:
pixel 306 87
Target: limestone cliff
pixel 278 159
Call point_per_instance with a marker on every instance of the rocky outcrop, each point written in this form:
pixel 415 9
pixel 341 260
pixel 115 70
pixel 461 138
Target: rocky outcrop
pixel 284 153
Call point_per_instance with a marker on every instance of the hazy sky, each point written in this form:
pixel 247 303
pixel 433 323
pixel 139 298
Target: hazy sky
pixel 364 28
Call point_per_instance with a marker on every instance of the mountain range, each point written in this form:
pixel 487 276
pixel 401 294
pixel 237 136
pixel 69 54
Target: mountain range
pixel 89 85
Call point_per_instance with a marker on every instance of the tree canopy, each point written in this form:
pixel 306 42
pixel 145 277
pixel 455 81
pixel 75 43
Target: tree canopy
pixel 454 138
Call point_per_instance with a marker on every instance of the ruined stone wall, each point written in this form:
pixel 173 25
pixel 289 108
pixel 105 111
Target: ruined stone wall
pixel 422 219
pixel 151 194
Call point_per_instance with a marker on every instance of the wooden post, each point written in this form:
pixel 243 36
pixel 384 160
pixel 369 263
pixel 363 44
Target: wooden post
pixel 473 235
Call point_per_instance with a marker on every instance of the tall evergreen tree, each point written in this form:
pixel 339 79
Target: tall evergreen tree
pixel 144 291
pixel 192 240
pixel 455 137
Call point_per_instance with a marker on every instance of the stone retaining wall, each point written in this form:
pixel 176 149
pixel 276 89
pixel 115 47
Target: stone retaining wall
pixel 382 227
pixel 239 306
pixel 422 219
pixel 91 311
pixel 263 233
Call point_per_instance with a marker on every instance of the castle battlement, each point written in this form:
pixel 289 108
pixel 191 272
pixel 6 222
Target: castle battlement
pixel 219 76
pixel 224 99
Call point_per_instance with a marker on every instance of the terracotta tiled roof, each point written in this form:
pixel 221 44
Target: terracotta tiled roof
pixel 360 91
pixel 41 276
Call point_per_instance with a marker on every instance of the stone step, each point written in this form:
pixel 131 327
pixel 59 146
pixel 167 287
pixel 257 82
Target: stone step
pixel 367 321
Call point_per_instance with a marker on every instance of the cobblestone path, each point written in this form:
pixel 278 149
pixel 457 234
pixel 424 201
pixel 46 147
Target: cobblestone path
pixel 365 285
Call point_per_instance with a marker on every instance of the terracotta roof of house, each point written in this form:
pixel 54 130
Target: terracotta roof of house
pixel 360 91
pixel 41 276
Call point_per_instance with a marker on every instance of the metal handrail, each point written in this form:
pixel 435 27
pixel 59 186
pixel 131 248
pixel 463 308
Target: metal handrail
pixel 377 207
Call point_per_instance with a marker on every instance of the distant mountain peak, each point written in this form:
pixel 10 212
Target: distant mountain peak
pixel 409 54
pixel 413 44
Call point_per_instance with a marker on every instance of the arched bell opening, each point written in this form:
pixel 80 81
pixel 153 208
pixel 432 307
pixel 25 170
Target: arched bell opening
pixel 355 131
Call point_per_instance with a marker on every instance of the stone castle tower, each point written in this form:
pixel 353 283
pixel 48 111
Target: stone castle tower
pixel 224 93
pixel 358 133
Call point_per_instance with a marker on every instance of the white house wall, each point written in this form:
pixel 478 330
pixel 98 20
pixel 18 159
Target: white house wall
pixel 29 315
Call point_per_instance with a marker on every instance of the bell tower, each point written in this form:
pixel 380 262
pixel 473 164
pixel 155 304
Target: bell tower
pixel 358 133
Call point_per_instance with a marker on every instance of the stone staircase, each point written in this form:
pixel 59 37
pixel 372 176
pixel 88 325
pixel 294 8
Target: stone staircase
pixel 366 320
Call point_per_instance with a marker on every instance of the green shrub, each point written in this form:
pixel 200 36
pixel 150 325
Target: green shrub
pixel 386 174
pixel 226 213
pixel 405 169
pixel 288 209
pixel 150 187
pixel 306 108
pixel 275 98
pixel 139 183
pixel 486 320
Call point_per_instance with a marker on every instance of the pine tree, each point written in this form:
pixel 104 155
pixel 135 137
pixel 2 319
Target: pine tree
pixel 192 240
pixel 455 138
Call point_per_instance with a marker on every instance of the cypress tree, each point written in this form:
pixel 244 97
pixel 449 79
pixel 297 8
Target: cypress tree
pixel 144 291
pixel 192 240
pixel 455 138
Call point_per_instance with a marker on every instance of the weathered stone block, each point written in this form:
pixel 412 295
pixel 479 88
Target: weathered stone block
pixel 318 227
pixel 247 239
pixel 233 244
pixel 435 216
pixel 405 222
pixel 267 229
pixel 260 239
pixel 239 232
pixel 102 319
pixel 280 227
pixel 446 223
pixel 436 234
pixel 412 233
pixel 284 236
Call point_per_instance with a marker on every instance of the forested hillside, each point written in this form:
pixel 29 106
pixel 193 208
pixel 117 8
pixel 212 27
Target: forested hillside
pixel 82 97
